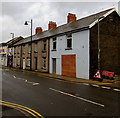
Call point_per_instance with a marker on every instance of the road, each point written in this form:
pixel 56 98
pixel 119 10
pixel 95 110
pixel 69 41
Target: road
pixel 51 97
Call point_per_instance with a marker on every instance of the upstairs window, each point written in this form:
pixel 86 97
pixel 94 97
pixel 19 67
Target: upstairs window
pixel 44 45
pixel 23 49
pixel 54 43
pixel 36 47
pixel 29 48
pixel 69 41
pixel 18 51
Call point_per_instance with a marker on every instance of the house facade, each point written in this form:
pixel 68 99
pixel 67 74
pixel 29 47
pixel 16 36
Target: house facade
pixel 10 50
pixel 71 55
pixel 3 54
pixel 37 59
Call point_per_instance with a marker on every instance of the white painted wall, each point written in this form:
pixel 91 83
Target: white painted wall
pixel 80 47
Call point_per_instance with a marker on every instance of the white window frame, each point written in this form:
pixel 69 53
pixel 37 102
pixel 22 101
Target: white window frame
pixel 69 37
pixel 54 40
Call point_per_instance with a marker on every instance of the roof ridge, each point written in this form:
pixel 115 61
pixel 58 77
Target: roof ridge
pixel 80 23
pixel 96 13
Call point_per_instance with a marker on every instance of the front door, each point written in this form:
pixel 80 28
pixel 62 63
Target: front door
pixel 23 63
pixel 54 66
pixel 69 65
pixel 35 63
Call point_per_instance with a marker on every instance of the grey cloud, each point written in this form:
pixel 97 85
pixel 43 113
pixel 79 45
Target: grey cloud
pixel 42 13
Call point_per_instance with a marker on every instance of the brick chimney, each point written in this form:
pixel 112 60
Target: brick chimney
pixel 38 30
pixel 71 18
pixel 52 25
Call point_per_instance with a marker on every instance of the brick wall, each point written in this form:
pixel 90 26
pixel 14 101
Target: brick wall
pixel 109 44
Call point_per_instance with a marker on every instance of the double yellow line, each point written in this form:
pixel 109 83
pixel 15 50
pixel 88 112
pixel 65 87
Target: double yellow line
pixel 23 108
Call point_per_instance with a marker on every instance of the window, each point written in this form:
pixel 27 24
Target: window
pixel 18 51
pixel 23 49
pixel 54 43
pixel 36 47
pixel 69 41
pixel 44 63
pixel 29 48
pixel 44 45
pixel 28 62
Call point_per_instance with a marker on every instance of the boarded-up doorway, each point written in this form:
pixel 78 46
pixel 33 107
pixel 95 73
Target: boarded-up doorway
pixel 69 65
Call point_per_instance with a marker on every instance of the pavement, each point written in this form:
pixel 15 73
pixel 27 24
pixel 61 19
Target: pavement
pixel 106 82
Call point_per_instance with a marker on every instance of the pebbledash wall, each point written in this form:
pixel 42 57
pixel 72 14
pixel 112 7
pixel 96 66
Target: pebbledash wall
pixel 80 48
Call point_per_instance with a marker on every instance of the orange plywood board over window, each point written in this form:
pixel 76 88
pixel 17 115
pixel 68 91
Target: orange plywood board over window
pixel 69 65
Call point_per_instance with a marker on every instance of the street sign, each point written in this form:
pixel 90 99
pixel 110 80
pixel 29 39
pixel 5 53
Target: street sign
pixel 97 75
pixel 108 75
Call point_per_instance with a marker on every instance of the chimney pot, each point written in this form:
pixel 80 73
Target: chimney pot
pixel 38 30
pixel 52 25
pixel 71 17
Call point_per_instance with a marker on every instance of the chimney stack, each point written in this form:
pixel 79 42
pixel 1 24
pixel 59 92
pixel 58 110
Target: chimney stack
pixel 38 30
pixel 52 25
pixel 71 18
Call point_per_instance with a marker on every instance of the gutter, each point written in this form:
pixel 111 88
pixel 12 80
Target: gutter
pixel 60 34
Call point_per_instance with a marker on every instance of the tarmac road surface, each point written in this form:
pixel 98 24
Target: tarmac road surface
pixel 51 97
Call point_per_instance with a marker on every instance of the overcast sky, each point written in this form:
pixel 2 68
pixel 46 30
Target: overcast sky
pixel 14 14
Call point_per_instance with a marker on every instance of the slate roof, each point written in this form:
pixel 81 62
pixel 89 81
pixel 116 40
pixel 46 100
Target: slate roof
pixel 72 26
pixel 14 40
pixel 3 44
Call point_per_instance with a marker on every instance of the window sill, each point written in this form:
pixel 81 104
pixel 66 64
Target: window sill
pixel 43 51
pixel 35 51
pixel 68 49
pixel 53 50
pixel 43 68
pixel 27 66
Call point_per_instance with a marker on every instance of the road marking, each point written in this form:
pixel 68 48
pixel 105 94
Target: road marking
pixel 30 111
pixel 85 84
pixel 14 76
pixel 77 97
pixel 95 85
pixel 19 108
pixel 116 89
pixel 35 84
pixel 105 87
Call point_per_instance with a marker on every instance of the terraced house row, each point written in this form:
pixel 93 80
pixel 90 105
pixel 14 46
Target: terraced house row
pixel 72 49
